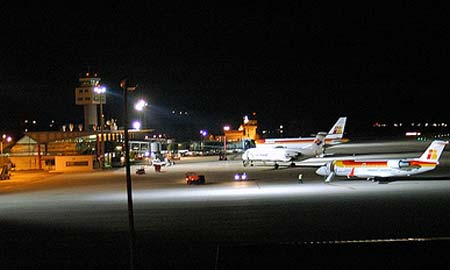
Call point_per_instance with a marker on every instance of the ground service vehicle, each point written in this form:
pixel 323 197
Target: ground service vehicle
pixel 140 170
pixel 194 178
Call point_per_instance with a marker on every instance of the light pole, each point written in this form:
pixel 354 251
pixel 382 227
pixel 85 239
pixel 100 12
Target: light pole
pixel 140 106
pixel 225 129
pixel 124 84
pixel 8 139
pixel 203 133
pixel 101 91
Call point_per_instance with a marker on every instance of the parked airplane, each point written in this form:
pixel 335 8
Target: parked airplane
pixel 280 154
pixel 372 169
pixel 334 136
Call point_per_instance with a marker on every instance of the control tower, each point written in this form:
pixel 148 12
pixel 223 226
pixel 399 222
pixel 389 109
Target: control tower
pixel 87 96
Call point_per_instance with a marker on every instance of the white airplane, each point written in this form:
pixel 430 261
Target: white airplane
pixel 334 136
pixel 372 169
pixel 281 154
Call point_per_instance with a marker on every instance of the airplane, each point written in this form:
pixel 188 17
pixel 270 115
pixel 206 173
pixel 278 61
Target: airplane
pixel 280 154
pixel 379 169
pixel 334 136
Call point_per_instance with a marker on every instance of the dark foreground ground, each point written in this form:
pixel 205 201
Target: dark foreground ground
pixel 44 248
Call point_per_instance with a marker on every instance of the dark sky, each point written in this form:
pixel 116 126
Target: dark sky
pixel 298 64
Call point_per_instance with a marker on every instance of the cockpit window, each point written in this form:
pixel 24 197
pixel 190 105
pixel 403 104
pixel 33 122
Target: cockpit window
pixel 249 144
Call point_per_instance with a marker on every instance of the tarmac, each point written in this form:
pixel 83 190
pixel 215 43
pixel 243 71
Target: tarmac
pixel 24 179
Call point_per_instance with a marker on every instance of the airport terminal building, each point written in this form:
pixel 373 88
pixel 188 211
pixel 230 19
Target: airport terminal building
pixel 99 143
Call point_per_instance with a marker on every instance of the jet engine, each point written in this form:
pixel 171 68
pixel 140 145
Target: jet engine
pixel 327 170
pixel 401 164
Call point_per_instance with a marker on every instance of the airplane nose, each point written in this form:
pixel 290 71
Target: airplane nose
pixel 322 171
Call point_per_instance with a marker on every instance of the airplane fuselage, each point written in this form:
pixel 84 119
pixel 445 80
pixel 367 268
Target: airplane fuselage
pixel 269 154
pixel 371 169
pixel 292 143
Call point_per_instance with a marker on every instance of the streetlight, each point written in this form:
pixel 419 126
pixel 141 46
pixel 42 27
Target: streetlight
pixel 7 139
pixel 137 125
pixel 101 91
pixel 140 106
pixel 126 86
pixel 203 133
pixel 225 129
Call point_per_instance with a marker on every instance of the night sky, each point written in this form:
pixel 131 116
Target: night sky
pixel 300 65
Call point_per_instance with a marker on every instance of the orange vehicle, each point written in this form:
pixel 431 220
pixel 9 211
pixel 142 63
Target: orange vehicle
pixel 194 178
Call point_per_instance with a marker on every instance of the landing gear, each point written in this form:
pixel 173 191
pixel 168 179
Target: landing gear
pixel 245 163
pixel 330 177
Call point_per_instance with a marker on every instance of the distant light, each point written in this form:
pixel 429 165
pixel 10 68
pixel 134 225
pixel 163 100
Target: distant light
pixel 140 105
pixel 100 89
pixel 7 138
pixel 137 125
pixel 226 128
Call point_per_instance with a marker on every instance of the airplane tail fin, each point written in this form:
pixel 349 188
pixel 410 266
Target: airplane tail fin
pixel 337 131
pixel 434 151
